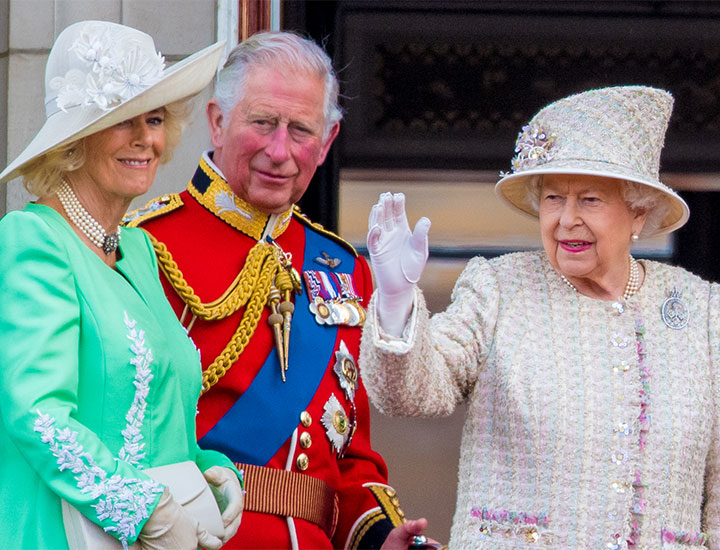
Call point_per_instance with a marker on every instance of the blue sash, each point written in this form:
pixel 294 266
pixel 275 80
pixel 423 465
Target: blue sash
pixel 265 416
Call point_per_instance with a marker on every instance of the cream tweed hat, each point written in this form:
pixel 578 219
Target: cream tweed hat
pixel 613 132
pixel 100 73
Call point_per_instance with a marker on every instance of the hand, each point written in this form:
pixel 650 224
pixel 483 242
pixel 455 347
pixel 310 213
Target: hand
pixel 409 535
pixel 225 485
pixel 171 528
pixel 398 258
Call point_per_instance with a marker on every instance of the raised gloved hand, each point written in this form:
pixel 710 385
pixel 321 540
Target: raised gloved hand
pixel 398 258
pixel 170 527
pixel 225 485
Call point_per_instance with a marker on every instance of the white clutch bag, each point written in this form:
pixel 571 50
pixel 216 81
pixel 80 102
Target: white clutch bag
pixel 187 486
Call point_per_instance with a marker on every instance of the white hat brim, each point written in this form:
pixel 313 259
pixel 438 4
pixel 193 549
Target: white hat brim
pixel 183 79
pixel 512 188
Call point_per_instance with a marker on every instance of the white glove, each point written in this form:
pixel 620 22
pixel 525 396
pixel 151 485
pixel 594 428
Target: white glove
pixel 170 527
pixel 225 485
pixel 398 258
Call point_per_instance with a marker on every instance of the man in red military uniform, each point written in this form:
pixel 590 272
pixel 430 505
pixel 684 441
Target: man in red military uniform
pixel 275 305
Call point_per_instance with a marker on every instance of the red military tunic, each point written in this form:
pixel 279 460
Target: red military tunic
pixel 316 424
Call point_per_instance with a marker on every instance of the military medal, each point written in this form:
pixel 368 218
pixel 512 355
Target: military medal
pixel 340 313
pixel 321 310
pixel 346 370
pixel 319 297
pixel 674 312
pixel 333 298
pixel 347 373
pixel 337 425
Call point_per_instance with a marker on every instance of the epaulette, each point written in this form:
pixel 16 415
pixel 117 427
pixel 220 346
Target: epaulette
pixel 156 207
pixel 303 219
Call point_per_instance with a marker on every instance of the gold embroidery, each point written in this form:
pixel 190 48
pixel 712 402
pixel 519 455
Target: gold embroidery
pixel 364 526
pixel 154 208
pixel 219 199
pixel 302 218
pixel 388 501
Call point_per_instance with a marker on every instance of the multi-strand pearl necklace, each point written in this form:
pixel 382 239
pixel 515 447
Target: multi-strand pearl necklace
pixel 85 222
pixel 633 284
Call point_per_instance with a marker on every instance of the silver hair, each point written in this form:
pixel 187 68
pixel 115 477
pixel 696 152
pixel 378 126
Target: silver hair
pixel 273 48
pixel 637 196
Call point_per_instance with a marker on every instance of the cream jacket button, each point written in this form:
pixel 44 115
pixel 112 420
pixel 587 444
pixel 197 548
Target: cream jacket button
pixel 302 461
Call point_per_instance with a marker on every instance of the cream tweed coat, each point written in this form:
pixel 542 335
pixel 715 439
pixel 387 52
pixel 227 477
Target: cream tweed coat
pixel 589 423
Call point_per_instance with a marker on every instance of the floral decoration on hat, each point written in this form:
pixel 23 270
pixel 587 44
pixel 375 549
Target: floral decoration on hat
pixel 113 72
pixel 534 146
pixel 615 133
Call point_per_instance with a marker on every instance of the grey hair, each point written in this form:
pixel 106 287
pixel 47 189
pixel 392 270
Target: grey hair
pixel 273 48
pixel 637 196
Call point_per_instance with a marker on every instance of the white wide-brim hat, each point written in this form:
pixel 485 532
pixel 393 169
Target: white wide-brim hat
pixel 100 73
pixel 613 132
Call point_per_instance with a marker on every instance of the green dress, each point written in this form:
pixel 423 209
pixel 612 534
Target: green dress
pixel 99 381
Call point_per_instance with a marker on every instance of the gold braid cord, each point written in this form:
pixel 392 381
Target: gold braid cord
pixel 251 287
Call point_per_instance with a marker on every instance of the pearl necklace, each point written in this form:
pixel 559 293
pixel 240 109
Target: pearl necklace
pixel 85 222
pixel 633 284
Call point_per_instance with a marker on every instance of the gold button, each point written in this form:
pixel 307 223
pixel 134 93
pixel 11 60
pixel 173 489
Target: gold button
pixel 389 492
pixel 305 440
pixel 305 418
pixel 395 501
pixel 302 461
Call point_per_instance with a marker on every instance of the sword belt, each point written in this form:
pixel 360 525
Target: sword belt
pixel 290 494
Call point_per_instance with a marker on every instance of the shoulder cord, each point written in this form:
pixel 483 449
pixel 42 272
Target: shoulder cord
pixel 234 297
pixel 251 286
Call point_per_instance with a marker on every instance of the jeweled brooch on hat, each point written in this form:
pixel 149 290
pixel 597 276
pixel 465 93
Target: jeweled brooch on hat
pixel 533 146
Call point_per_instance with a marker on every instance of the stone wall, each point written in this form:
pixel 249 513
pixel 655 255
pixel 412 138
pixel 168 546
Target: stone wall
pixel 27 31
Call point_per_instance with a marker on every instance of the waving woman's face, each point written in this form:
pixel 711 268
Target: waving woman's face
pixel 587 227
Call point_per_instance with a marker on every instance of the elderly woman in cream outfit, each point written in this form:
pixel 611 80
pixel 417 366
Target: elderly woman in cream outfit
pixel 591 378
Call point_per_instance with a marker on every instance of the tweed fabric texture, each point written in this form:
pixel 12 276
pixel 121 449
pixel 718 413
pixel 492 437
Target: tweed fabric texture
pixel 614 132
pixel 552 379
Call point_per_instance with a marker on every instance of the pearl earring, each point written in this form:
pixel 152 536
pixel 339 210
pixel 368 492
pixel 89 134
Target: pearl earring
pixel 635 237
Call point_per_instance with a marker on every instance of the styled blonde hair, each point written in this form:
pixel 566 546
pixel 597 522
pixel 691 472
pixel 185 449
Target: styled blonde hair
pixel 43 175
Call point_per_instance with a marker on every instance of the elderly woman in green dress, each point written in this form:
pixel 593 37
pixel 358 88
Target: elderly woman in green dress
pixel 592 379
pixel 99 381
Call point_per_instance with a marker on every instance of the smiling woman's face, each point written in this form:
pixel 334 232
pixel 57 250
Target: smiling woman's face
pixel 586 226
pixel 122 159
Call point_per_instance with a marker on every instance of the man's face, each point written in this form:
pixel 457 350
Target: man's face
pixel 272 142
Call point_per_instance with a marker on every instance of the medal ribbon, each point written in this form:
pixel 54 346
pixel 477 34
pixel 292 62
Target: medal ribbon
pixel 346 285
pixel 327 285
